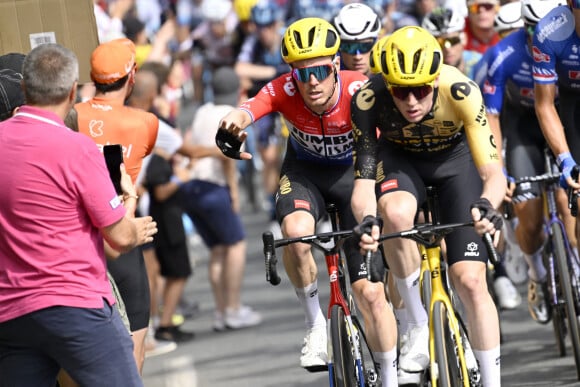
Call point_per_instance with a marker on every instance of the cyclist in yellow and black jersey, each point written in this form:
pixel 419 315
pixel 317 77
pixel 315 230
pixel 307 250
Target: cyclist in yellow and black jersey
pixel 457 112
pixel 433 131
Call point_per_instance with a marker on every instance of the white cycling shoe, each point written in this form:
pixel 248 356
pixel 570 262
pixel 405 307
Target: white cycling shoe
pixel 409 379
pixel 414 356
pixel 314 356
pixel 508 296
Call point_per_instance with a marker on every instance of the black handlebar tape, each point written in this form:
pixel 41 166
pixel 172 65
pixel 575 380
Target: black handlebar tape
pixel 270 258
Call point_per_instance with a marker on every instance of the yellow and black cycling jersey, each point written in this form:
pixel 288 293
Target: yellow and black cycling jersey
pixel 457 112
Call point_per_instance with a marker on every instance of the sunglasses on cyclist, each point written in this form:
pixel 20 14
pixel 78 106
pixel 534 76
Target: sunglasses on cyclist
pixel 449 41
pixel 477 7
pixel 356 48
pixel 321 72
pixel 402 92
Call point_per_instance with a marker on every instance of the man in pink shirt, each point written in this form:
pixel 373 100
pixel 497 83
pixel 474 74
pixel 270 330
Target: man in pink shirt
pixel 56 204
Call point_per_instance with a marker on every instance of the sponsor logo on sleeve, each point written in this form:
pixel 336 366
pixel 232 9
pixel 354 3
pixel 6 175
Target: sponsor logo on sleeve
pixel 539 56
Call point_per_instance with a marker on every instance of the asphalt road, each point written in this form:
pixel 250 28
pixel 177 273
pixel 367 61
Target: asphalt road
pixel 267 356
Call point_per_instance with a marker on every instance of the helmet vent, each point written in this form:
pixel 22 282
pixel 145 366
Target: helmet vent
pixel 331 38
pixel 435 63
pixel 384 66
pixel 298 38
pixel 416 60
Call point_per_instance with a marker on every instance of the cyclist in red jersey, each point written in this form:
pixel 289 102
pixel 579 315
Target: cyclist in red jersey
pixel 314 98
pixel 479 27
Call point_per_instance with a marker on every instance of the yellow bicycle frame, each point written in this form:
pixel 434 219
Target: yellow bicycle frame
pixel 431 263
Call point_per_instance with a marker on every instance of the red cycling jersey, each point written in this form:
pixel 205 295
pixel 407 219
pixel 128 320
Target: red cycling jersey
pixel 324 138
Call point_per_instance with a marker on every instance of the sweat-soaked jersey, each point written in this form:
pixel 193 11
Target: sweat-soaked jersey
pixel 457 111
pixel 322 138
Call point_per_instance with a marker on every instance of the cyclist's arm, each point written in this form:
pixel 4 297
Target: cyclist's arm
pixel 495 128
pixel 363 116
pixel 484 150
pixel 548 118
pixel 236 120
pixel 363 199
pixel 494 183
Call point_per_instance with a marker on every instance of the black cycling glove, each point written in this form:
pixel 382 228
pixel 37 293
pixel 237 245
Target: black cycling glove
pixel 487 211
pixel 366 226
pixel 229 143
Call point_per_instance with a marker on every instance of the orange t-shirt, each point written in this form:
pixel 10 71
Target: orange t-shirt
pixel 111 122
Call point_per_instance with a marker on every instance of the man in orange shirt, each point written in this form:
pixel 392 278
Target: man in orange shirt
pixel 107 120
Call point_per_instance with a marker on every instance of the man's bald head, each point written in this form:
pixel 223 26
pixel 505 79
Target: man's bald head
pixel 144 90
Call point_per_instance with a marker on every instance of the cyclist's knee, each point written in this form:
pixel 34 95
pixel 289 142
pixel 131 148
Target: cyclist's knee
pixel 298 224
pixel 531 221
pixel 370 296
pixel 469 281
pixel 398 211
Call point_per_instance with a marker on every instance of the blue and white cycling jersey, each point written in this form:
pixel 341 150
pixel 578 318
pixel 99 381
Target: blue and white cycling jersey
pixel 509 74
pixel 556 50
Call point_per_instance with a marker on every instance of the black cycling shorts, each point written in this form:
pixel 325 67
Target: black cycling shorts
pixel 458 184
pixel 130 275
pixel 524 147
pixel 307 186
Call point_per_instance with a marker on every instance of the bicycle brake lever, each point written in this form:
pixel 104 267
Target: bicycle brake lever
pixel 491 251
pixel 270 258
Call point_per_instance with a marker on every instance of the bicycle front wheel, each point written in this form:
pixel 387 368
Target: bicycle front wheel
pixel 370 374
pixel 344 373
pixel 561 258
pixel 448 372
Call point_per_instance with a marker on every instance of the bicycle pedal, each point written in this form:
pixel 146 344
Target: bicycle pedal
pixel 317 368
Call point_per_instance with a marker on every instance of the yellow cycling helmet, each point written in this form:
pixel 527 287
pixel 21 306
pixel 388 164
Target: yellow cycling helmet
pixel 375 57
pixel 411 56
pixel 243 9
pixel 308 38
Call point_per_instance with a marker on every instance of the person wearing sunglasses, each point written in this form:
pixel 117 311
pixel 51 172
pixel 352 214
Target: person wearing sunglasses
pixel 433 132
pixel 479 31
pixel 509 100
pixel 555 43
pixel 359 27
pixel 315 100
pixel 447 26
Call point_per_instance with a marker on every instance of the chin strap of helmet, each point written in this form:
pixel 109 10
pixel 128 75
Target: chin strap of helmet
pixel 333 88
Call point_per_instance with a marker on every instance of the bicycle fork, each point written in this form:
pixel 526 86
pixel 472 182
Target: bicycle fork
pixel 439 294
pixel 337 298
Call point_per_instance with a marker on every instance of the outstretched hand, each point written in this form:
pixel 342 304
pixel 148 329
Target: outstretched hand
pixel 229 138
